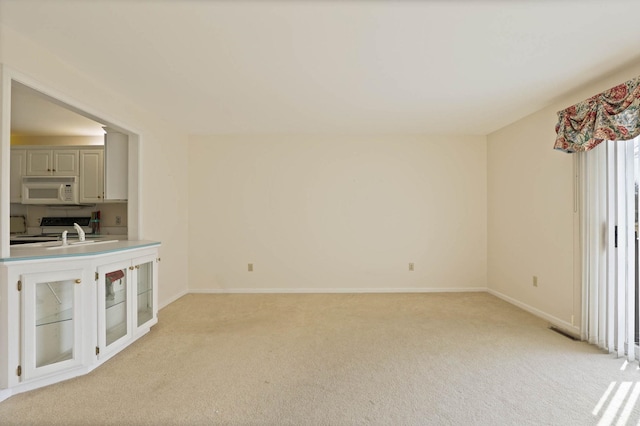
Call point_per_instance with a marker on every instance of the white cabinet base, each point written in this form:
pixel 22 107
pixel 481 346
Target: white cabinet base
pixel 61 323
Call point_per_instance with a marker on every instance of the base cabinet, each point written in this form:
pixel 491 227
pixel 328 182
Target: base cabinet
pixel 126 302
pixel 52 322
pixel 146 297
pixel 67 316
pixel 114 307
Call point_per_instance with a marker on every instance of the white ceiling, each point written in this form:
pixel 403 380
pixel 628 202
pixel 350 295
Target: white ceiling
pixel 355 66
pixel 32 113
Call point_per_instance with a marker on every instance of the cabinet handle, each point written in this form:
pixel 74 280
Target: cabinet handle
pixel 54 170
pixel 137 266
pixel 158 259
pixel 78 281
pixel 48 170
pixel 131 268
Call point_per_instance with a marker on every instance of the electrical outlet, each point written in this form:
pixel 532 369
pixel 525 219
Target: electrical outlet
pixel 411 267
pixel 250 267
pixel 38 220
pixel 118 220
pixel 535 281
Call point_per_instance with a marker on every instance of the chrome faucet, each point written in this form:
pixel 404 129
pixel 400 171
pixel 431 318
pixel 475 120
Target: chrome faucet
pixel 64 238
pixel 80 231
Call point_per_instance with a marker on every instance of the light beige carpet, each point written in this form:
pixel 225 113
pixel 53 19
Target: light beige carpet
pixel 341 359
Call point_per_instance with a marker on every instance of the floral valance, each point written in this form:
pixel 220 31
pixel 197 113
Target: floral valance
pixel 611 115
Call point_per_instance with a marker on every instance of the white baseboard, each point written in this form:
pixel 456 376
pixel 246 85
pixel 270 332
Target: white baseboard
pixel 564 325
pixel 335 290
pixel 5 393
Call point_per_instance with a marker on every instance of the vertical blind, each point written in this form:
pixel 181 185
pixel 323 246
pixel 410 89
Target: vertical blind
pixel 609 243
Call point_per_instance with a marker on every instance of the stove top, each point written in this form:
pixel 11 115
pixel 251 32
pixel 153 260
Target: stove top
pixel 55 225
pixel 65 221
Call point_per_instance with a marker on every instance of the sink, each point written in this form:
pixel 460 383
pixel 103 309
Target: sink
pixel 36 245
pixel 58 244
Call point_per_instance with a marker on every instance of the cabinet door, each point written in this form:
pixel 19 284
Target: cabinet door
pixel 65 162
pixel 91 176
pixel 145 277
pixel 39 162
pixel 114 313
pixel 18 169
pixel 52 324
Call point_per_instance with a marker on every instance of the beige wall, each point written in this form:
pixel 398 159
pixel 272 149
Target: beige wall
pixel 532 226
pixel 337 213
pixel 350 213
pixel 531 217
pixel 163 165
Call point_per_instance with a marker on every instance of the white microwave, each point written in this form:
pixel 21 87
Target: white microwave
pixel 50 190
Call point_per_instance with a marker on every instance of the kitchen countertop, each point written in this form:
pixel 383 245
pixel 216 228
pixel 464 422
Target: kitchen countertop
pixel 53 250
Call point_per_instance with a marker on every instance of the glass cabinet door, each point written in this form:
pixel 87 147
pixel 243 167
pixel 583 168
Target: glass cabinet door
pixel 51 310
pixel 113 301
pixel 144 283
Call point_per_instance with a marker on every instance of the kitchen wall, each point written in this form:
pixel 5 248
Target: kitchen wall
pixel 532 225
pixel 109 212
pixel 337 213
pixel 163 163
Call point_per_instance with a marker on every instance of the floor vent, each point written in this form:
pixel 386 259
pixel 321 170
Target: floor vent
pixel 564 333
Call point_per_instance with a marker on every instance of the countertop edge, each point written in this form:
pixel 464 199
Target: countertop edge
pixel 77 251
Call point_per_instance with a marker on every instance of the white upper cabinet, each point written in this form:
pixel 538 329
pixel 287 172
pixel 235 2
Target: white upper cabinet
pixel 56 162
pixel 91 176
pixel 39 162
pixel 102 170
pixel 18 169
pixel 66 162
